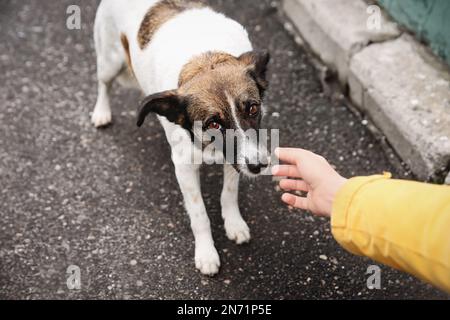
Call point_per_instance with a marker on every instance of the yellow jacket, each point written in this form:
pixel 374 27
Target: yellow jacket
pixel 403 224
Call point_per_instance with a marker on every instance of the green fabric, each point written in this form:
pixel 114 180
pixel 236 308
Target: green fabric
pixel 430 19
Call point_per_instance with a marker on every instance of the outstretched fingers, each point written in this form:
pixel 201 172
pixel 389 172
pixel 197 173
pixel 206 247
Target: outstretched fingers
pixel 294 185
pixel 286 171
pixel 295 201
pixel 291 156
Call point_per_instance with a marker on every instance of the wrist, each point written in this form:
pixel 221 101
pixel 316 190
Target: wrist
pixel 338 185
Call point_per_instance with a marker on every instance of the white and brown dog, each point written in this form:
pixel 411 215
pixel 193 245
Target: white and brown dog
pixel 195 66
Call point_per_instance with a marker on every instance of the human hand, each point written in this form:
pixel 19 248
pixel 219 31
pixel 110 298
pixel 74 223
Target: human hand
pixel 318 179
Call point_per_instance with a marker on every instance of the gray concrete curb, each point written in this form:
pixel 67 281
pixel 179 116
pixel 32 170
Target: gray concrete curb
pixel 397 82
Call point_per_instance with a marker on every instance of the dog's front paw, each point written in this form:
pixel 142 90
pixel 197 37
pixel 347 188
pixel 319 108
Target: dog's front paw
pixel 101 118
pixel 237 230
pixel 207 260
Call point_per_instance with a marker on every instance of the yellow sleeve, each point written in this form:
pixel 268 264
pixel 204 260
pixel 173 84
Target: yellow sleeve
pixel 403 224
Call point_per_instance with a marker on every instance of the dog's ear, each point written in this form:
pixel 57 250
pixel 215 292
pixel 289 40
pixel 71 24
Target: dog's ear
pixel 257 62
pixel 168 104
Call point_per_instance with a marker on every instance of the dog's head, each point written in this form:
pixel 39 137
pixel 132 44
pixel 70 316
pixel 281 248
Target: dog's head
pixel 225 94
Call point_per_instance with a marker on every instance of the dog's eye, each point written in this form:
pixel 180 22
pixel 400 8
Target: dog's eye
pixel 214 126
pixel 253 110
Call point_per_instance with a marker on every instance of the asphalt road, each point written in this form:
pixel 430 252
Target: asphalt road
pixel 107 201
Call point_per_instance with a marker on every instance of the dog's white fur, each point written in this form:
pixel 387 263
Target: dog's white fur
pixel 157 68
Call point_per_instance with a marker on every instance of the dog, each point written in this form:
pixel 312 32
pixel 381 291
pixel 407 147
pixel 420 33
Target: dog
pixel 195 66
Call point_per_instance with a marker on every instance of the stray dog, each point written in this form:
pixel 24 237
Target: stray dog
pixel 195 66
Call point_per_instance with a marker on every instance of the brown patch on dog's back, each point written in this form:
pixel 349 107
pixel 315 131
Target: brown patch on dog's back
pixel 160 13
pixel 126 48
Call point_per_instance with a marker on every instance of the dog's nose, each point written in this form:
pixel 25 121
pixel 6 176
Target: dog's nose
pixel 255 168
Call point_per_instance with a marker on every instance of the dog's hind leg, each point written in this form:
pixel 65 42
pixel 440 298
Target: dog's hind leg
pixel 236 228
pixel 110 62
